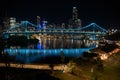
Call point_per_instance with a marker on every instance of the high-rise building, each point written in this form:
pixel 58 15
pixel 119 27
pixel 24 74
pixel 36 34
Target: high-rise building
pixel 44 24
pixel 75 13
pixel 63 25
pixel 74 17
pixel 38 22
pixel 12 22
pixel 79 23
pixel 76 23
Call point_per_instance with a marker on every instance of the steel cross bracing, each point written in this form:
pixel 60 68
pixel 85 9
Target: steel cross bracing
pixel 28 28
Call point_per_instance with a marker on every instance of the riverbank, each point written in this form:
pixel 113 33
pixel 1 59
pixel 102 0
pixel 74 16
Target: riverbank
pixel 96 68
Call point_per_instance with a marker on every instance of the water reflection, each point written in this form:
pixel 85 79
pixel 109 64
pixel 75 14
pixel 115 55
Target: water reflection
pixel 58 43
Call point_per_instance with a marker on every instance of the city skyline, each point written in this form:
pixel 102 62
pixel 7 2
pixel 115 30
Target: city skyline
pixel 100 12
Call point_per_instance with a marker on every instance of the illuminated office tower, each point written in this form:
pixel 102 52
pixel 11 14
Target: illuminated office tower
pixel 63 25
pixel 74 17
pixel 12 22
pixel 79 23
pixel 38 22
pixel 44 24
pixel 75 13
pixel 76 23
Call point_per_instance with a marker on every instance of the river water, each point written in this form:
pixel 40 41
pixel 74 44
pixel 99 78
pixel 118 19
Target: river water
pixel 62 43
pixel 49 47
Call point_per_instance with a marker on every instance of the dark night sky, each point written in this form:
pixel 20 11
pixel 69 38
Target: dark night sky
pixel 103 12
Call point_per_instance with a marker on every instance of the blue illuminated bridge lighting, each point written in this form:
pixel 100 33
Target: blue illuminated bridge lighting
pixel 31 55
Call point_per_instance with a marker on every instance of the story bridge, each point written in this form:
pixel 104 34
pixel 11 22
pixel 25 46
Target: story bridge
pixel 27 28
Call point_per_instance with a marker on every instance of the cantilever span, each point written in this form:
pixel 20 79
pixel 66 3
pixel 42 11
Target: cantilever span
pixel 94 28
pixel 24 26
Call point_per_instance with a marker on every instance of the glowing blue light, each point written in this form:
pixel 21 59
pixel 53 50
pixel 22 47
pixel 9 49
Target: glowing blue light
pixel 39 46
pixel 30 55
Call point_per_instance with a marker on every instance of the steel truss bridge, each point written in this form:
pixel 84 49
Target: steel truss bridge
pixel 27 28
